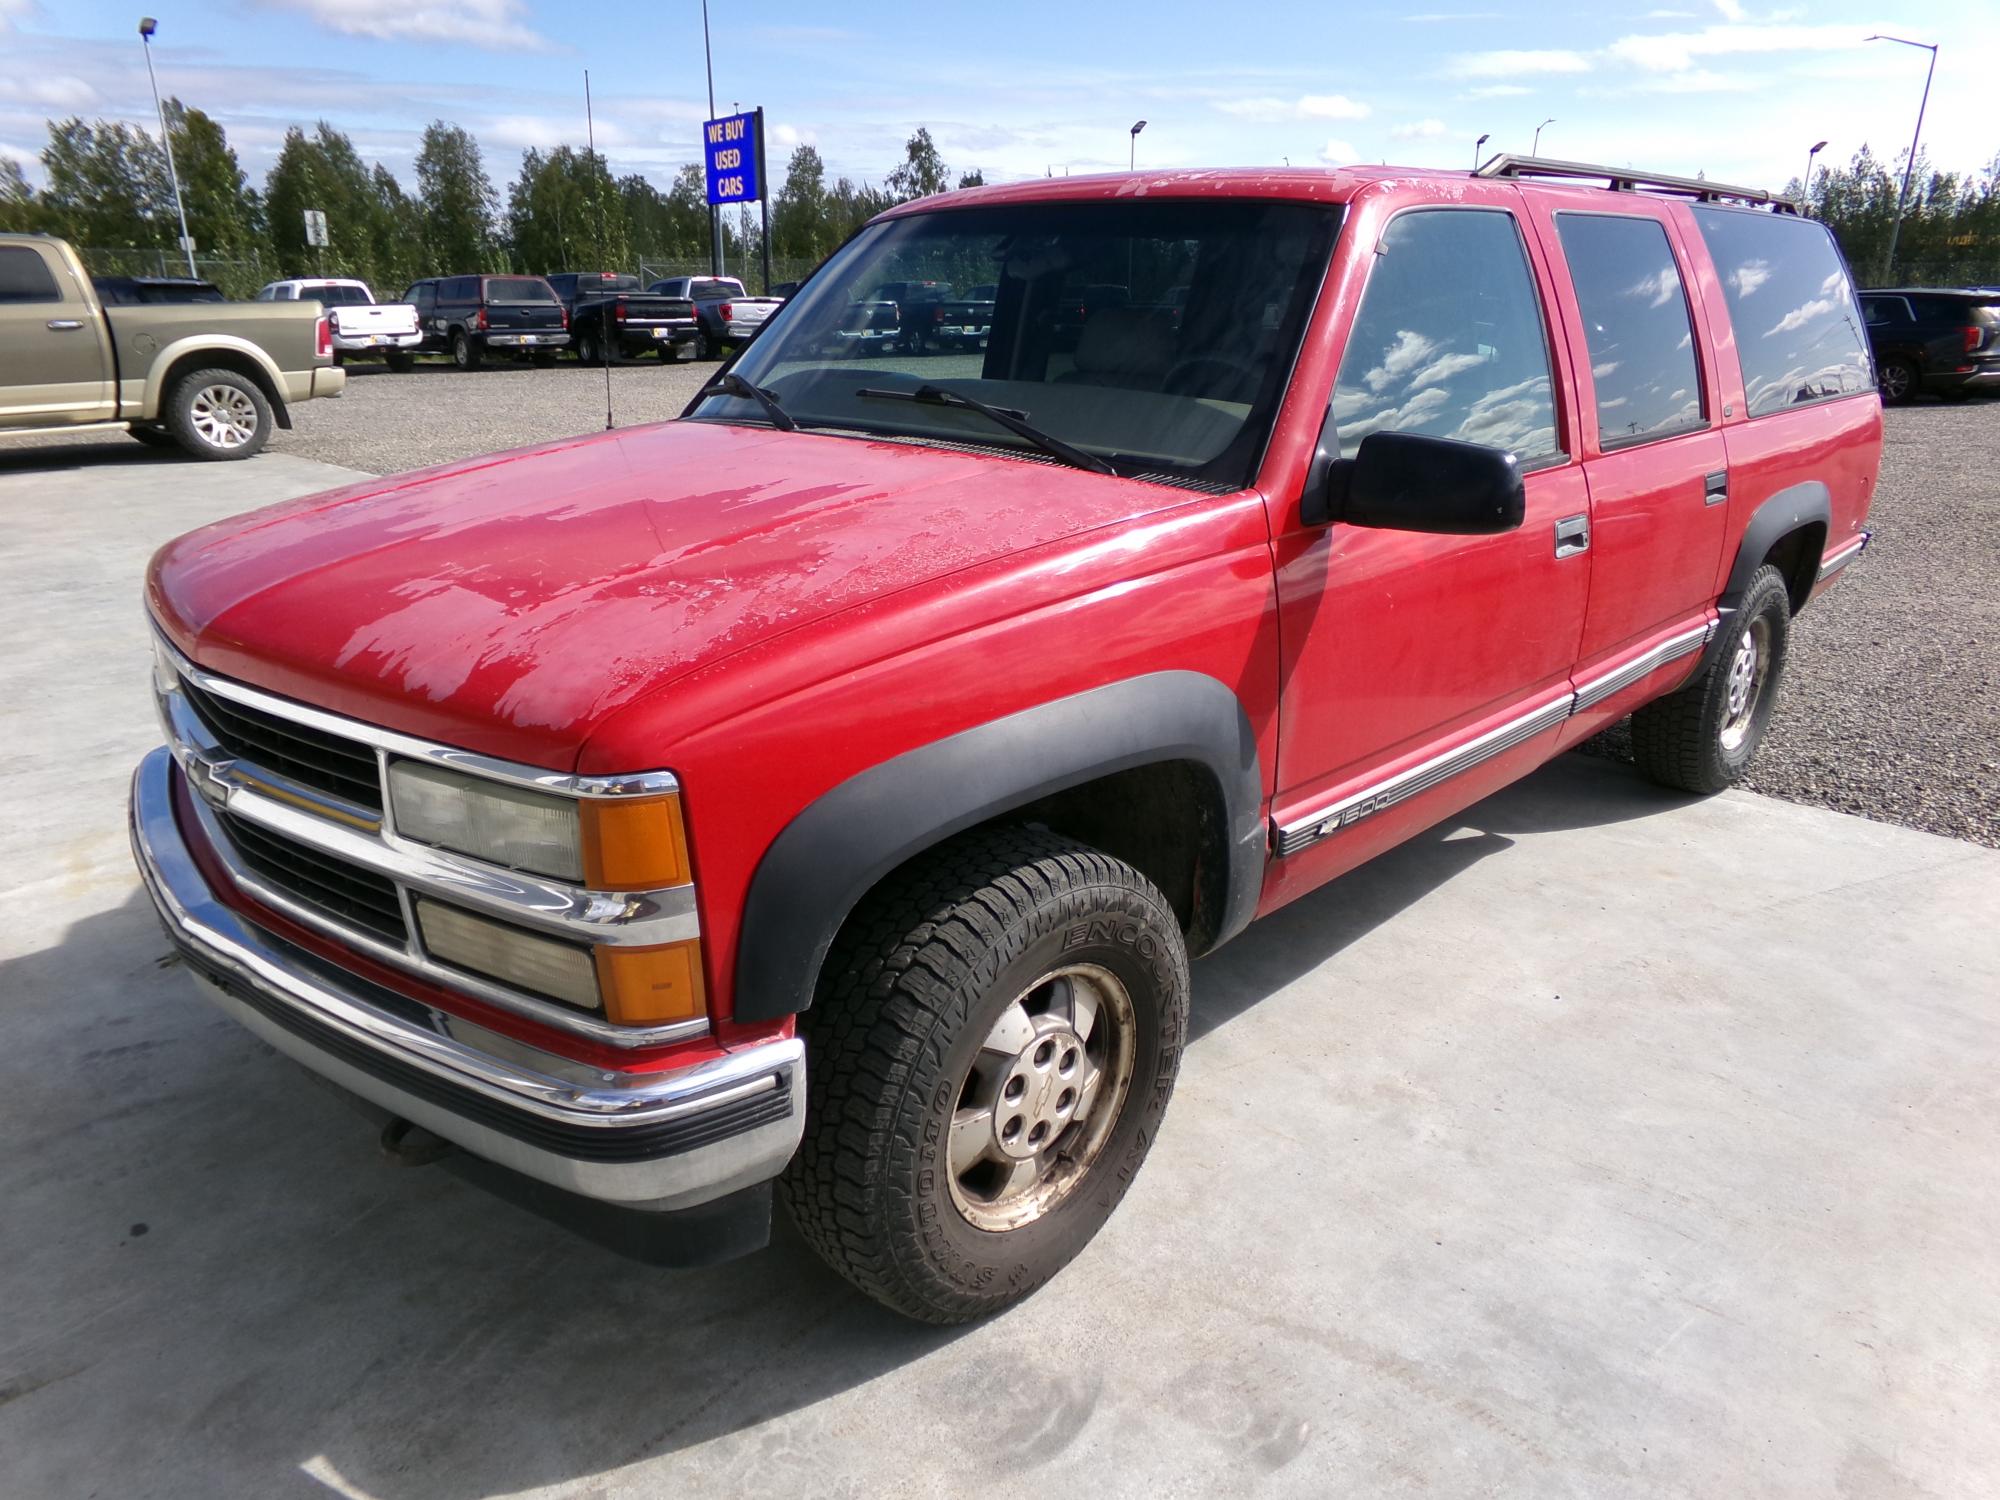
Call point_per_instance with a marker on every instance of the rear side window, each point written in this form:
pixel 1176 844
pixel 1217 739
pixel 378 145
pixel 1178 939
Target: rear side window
pixel 518 289
pixel 1637 326
pixel 24 276
pixel 1880 310
pixel 1449 339
pixel 460 289
pixel 1798 328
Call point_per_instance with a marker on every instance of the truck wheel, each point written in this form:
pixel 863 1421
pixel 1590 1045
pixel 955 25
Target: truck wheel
pixel 218 414
pixel 994 1042
pixel 586 348
pixel 1898 381
pixel 464 353
pixel 705 347
pixel 1701 738
pixel 401 363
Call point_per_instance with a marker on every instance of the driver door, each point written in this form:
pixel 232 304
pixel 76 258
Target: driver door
pixel 1422 671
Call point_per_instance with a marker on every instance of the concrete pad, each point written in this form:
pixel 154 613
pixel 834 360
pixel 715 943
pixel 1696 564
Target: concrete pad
pixel 1600 1142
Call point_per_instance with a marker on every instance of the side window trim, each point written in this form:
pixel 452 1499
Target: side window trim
pixel 1696 327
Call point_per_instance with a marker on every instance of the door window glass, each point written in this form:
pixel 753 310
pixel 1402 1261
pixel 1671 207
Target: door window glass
pixel 1449 340
pixel 24 276
pixel 1798 330
pixel 1880 310
pixel 1637 326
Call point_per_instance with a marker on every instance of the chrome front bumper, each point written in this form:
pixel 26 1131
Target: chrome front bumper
pixel 654 1142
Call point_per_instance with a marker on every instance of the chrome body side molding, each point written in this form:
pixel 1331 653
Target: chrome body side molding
pixel 1303 832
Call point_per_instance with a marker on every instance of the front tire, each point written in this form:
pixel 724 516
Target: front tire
pixel 1897 380
pixel 219 414
pixel 1702 738
pixel 994 1041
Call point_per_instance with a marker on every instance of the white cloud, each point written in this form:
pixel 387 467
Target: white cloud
pixel 62 91
pixel 1732 10
pixel 1752 274
pixel 1338 152
pixel 493 24
pixel 1307 107
pixel 1671 51
pixel 1498 91
pixel 1419 130
pixel 1798 317
pixel 1508 62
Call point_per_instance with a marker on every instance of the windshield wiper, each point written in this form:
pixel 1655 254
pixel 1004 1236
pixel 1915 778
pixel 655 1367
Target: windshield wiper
pixel 1013 421
pixel 732 384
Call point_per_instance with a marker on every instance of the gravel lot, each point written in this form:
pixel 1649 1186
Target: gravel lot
pixel 1891 704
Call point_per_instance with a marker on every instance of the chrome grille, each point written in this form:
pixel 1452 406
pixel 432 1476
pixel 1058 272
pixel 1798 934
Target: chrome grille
pixel 325 762
pixel 320 880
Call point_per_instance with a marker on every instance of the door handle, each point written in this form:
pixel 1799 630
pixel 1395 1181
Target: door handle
pixel 65 325
pixel 1715 487
pixel 1572 536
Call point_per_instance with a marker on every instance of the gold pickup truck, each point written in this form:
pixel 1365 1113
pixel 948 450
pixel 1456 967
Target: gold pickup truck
pixel 211 378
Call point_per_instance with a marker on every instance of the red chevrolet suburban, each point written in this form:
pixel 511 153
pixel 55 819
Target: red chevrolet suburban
pixel 823 793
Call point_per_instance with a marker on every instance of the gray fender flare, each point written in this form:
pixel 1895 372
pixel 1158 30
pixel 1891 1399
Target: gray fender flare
pixel 829 856
pixel 1792 508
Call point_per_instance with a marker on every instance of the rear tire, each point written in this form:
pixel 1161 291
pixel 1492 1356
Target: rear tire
pixel 1897 379
pixel 218 414
pixel 705 347
pixel 994 1041
pixel 1703 737
pixel 464 353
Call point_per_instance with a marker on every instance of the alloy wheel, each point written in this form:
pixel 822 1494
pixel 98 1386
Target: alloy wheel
pixel 223 416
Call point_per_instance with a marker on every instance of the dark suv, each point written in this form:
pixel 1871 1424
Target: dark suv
pixel 468 316
pixel 1945 341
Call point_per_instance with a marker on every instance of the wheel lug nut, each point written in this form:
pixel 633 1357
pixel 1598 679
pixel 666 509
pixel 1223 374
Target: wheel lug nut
pixel 1011 1129
pixel 1016 1087
pixel 1043 1053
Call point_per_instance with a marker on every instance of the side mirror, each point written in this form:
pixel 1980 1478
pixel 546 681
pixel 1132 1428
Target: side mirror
pixel 1405 481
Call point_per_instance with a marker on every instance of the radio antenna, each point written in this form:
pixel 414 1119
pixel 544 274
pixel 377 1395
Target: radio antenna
pixel 608 334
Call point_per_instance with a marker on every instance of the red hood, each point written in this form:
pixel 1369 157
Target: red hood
pixel 509 604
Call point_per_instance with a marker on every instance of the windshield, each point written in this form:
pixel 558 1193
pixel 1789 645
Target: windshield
pixel 518 289
pixel 330 295
pixel 1155 335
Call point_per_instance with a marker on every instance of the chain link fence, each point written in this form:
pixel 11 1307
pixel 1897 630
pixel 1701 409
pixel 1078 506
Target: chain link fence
pixel 783 268
pixel 239 277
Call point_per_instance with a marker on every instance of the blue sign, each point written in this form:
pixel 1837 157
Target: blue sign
pixel 733 151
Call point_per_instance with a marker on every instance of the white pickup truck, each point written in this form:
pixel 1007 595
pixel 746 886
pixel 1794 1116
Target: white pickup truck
pixel 361 325
pixel 724 313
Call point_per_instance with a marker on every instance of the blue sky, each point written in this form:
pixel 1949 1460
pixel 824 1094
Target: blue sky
pixel 1735 89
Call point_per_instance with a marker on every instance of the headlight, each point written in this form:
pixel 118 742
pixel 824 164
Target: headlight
pixel 632 986
pixel 562 971
pixel 488 820
pixel 605 843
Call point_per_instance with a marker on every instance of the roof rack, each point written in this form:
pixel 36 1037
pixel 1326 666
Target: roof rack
pixel 1625 180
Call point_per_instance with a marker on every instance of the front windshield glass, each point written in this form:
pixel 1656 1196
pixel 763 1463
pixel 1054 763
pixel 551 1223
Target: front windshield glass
pixel 1155 335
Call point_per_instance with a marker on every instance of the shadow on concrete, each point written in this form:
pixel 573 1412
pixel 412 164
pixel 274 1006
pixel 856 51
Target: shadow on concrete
pixel 117 451
pixel 293 1313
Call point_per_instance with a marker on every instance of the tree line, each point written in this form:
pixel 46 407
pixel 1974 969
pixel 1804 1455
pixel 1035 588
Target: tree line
pixel 107 189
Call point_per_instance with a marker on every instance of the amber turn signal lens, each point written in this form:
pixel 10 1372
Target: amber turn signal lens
pixel 633 843
pixel 652 986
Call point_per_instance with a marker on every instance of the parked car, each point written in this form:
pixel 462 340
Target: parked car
pixel 827 790
pixel 469 317
pixel 360 324
pixel 1934 339
pixel 964 321
pixel 608 311
pixel 151 291
pixel 727 315
pixel 211 379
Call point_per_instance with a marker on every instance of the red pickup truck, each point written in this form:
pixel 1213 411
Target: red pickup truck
pixel 825 791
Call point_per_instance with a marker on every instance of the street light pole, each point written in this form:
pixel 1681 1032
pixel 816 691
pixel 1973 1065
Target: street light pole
pixel 1476 145
pixel 1132 157
pixel 1536 149
pixel 714 214
pixel 1896 228
pixel 147 26
pixel 1805 182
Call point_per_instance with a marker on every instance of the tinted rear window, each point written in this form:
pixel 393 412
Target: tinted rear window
pixel 1636 323
pixel 24 277
pixel 1798 330
pixel 518 289
pixel 711 290
pixel 338 296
